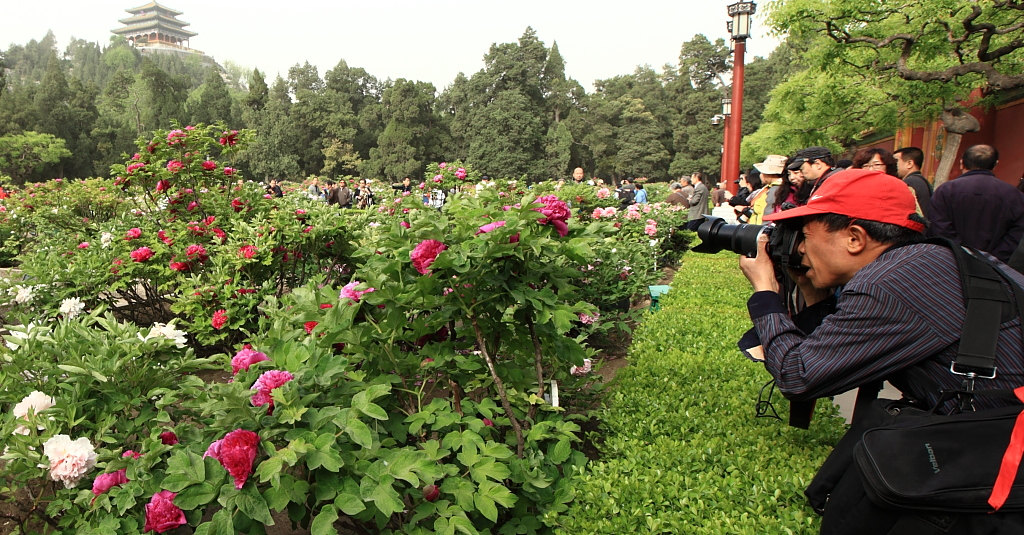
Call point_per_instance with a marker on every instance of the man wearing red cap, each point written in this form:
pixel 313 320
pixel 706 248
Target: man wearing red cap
pixel 900 309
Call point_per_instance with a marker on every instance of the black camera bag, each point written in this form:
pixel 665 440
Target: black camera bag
pixel 881 478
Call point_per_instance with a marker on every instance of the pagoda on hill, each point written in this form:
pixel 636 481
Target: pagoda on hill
pixel 155 26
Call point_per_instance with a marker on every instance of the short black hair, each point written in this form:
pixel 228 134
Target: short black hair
pixel 980 157
pixel 913 154
pixel 887 233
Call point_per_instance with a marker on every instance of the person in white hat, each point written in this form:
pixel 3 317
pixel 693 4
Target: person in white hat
pixel 771 170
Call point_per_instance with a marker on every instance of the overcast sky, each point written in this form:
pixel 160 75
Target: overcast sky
pixel 427 40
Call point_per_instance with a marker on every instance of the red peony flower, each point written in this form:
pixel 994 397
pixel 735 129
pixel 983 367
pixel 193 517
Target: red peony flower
pixel 133 233
pixel 180 266
pixel 209 166
pixel 326 305
pixel 169 438
pixel 247 251
pixel 163 185
pixel 141 254
pixel 229 138
pixel 161 513
pixel 229 171
pixel 237 204
pixel 309 326
pixel 424 254
pixel 134 167
pixel 220 319
pixel 245 358
pixel 236 453
pixel 196 252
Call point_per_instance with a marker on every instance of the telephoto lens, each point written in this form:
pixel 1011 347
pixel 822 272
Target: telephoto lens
pixel 715 234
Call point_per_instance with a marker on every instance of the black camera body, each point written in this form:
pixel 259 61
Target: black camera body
pixel 783 240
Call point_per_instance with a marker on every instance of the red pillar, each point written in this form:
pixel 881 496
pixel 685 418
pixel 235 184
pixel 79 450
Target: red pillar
pixel 735 132
pixel 725 157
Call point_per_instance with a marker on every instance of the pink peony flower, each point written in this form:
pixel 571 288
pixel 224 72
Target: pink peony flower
pixel 442 165
pixel 424 254
pixel 489 227
pixel 192 206
pixel 162 185
pixel 460 173
pixel 141 254
pixel 587 319
pixel 174 166
pixel 245 358
pixel 83 245
pixel 175 137
pixel 161 513
pixel 266 384
pixel 69 459
pixel 247 251
pixel 598 212
pixel 134 167
pixel 582 370
pixel 133 233
pixel 236 453
pixel 603 193
pixel 131 453
pixel 220 319
pixel 632 214
pixel 349 291
pixel 229 171
pixel 105 482
pixel 169 438
pixel 405 224
pixel 209 166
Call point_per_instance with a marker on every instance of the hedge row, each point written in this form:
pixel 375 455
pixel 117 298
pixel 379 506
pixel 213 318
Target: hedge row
pixel 682 450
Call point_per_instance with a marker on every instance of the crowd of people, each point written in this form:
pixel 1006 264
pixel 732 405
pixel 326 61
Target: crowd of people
pixel 339 194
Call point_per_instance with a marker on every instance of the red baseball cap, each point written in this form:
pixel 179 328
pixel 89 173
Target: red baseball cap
pixel 860 194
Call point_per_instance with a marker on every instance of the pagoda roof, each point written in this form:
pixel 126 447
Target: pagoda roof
pixel 147 26
pixel 154 18
pixel 153 5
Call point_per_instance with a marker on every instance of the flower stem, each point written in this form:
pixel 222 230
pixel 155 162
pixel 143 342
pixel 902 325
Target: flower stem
pixel 500 386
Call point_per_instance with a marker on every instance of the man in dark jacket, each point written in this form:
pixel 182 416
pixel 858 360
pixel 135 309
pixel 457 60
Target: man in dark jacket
pixel 977 209
pixel 908 167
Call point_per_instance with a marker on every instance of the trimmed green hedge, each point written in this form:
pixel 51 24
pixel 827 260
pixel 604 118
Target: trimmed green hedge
pixel 682 450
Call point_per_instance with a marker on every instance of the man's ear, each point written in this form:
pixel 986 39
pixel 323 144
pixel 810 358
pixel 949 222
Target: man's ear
pixel 856 239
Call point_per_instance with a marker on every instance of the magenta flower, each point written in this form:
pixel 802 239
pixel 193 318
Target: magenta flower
pixel 405 224
pixel 489 227
pixel 133 233
pixel 141 254
pixel 209 165
pixel 162 185
pixel 161 513
pixel 196 252
pixel 349 291
pixel 174 166
pixel 556 212
pixel 134 167
pixel 424 254
pixel 229 171
pixel 442 165
pixel 245 358
pixel 460 173
pixel 105 482
pixel 175 137
pixel 180 266
pixel 236 452
pixel 83 245
pixel 266 384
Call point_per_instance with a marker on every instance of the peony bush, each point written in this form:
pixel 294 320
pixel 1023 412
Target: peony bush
pixel 202 355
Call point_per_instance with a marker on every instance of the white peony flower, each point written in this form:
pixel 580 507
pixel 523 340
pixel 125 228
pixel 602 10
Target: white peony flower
pixel 106 239
pixel 166 331
pixel 71 307
pixel 70 459
pixel 23 295
pixel 35 402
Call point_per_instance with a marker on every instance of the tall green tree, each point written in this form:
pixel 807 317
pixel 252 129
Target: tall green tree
pixel 211 101
pixel 274 151
pixel 893 63
pixel 27 154
pixel 640 150
pixel 410 138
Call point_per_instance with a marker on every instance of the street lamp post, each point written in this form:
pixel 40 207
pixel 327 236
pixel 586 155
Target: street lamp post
pixel 726 112
pixel 739 29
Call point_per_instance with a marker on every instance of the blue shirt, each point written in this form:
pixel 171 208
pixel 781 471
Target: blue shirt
pixel 641 196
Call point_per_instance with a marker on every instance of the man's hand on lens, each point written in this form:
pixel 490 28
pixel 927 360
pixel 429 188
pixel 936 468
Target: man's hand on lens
pixel 759 270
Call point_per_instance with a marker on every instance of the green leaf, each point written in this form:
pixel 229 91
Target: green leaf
pixel 73 369
pixel 359 433
pixel 277 498
pixel 486 507
pixel 222 523
pixel 176 482
pixel 559 452
pixel 250 502
pixel 499 493
pixel 270 469
pixel 323 523
pixel 195 496
pixel 349 503
pixel 374 411
pixel 383 495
